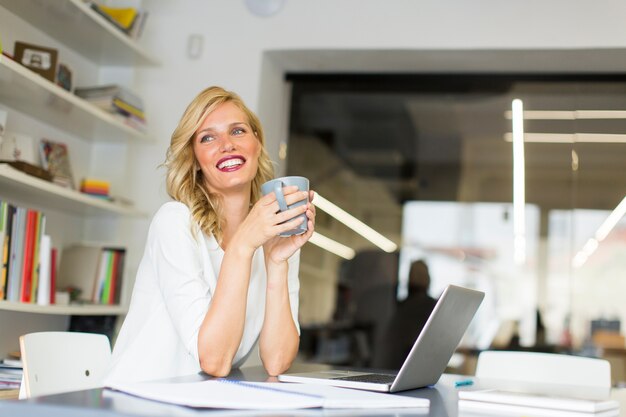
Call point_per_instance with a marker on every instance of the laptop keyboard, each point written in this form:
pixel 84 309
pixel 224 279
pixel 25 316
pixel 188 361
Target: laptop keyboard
pixel 373 378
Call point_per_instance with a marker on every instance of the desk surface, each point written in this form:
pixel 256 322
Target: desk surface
pixel 102 402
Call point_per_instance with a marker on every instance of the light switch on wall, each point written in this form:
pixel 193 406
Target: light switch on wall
pixel 195 44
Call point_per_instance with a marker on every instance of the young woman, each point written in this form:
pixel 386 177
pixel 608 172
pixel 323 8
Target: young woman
pixel 215 276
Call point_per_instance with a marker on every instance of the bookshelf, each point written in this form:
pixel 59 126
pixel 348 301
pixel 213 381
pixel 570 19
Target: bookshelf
pixel 98 41
pixel 65 310
pixel 33 190
pixel 73 216
pixel 30 93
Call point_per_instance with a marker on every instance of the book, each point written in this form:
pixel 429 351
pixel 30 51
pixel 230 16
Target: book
pixel 43 290
pixel 6 219
pixel 40 225
pixel 55 159
pixel 527 402
pixel 28 254
pixel 121 18
pixel 15 260
pixel 230 394
pixel 53 275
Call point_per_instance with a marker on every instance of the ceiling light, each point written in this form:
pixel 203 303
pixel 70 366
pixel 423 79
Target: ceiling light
pixel 601 234
pixel 570 114
pixel 519 185
pixel 332 246
pixel 354 224
pixel 570 137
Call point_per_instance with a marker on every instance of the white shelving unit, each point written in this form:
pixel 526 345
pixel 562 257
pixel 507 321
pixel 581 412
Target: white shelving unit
pixel 29 92
pixel 99 41
pixel 34 190
pixel 75 25
pixel 66 310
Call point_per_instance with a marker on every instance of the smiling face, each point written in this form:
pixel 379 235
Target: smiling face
pixel 227 150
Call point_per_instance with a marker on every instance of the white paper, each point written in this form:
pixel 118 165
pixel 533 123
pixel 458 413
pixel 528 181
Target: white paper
pixel 264 395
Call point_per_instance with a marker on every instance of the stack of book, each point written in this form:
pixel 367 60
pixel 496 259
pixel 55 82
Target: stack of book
pixel 579 402
pixel 95 188
pixel 129 20
pixel 27 272
pixel 10 377
pixel 96 270
pixel 118 101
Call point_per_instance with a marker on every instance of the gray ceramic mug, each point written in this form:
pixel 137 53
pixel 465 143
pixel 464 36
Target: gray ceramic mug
pixel 276 186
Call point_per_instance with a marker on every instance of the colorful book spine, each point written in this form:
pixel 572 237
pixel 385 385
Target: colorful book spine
pixel 28 250
pixel 6 222
pixel 16 251
pixel 43 288
pixel 40 226
pixel 53 274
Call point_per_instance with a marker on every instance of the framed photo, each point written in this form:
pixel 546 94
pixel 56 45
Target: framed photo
pixel 37 58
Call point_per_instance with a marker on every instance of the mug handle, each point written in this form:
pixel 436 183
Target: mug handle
pixel 280 197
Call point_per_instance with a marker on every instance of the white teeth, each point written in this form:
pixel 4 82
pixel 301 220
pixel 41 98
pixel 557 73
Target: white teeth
pixel 230 163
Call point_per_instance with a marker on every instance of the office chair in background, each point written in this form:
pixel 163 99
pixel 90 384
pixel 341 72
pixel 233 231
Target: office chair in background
pixel 57 362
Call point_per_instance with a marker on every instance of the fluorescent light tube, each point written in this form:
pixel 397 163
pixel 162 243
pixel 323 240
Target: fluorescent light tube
pixel 570 137
pixel 603 231
pixel 570 114
pixel 519 183
pixel 354 224
pixel 332 246
pixel 610 222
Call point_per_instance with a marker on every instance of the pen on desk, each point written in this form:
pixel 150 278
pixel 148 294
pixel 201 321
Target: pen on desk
pixel 463 382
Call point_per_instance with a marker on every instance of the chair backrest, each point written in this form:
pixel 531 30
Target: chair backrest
pixel 57 362
pixel 544 368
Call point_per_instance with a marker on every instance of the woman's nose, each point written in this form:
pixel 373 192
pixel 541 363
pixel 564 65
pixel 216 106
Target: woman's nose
pixel 227 145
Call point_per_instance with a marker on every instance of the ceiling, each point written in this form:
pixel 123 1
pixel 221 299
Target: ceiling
pixel 441 137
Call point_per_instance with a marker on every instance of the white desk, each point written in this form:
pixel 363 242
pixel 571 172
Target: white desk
pixel 100 402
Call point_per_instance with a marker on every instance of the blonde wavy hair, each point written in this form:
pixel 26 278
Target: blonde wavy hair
pixel 184 179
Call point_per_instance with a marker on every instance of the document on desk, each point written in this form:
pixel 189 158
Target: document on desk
pixel 541 404
pixel 229 394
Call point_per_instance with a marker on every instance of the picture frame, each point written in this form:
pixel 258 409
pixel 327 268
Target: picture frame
pixel 37 58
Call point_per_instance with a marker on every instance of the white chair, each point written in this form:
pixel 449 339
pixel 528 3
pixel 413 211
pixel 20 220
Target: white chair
pixel 544 368
pixel 57 362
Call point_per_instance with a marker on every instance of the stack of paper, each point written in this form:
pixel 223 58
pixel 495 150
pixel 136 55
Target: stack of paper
pixel 494 401
pixel 222 393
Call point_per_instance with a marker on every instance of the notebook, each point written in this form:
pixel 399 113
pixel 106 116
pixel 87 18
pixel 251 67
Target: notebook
pixel 428 357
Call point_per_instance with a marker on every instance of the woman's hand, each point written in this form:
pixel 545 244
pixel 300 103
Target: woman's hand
pixel 263 223
pixel 279 249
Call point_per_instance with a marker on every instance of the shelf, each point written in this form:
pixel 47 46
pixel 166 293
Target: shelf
pixel 34 95
pixel 73 310
pixel 34 190
pixel 75 24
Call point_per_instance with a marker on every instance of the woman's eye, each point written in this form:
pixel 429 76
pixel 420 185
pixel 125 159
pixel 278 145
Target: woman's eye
pixel 238 131
pixel 206 138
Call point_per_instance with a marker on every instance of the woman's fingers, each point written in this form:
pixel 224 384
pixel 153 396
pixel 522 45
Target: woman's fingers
pixel 290 214
pixel 290 225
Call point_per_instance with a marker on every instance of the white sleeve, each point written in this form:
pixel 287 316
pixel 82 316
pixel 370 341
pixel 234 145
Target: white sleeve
pixel 177 263
pixel 293 284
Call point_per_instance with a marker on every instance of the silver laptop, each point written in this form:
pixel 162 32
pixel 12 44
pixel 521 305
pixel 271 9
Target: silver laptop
pixel 429 355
